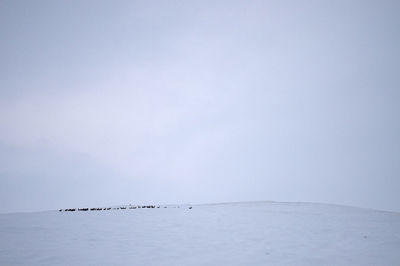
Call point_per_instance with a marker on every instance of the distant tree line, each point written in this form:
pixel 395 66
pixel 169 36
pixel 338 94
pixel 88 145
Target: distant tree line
pixel 116 208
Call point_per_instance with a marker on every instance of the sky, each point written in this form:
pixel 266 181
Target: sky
pixel 124 102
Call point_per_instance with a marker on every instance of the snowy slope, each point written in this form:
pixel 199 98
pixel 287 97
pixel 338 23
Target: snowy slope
pixel 263 233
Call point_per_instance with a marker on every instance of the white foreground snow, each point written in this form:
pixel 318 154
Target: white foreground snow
pixel 222 234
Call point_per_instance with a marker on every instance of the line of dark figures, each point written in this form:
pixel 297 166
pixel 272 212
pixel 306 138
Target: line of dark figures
pixel 115 208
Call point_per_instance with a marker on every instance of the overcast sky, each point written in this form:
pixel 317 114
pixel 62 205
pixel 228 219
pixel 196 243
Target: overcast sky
pixel 118 102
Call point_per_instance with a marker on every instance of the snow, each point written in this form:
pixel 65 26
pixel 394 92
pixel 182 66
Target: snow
pixel 258 233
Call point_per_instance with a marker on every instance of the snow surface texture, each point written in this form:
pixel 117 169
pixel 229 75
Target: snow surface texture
pixel 263 233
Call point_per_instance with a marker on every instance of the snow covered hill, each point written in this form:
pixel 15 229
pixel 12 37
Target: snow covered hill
pixel 257 233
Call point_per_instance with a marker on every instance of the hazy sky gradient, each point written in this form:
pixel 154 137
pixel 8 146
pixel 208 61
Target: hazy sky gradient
pixel 117 102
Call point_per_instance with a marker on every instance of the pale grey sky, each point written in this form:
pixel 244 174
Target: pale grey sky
pixel 117 102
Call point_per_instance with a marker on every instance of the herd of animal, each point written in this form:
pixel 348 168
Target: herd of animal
pixel 115 208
